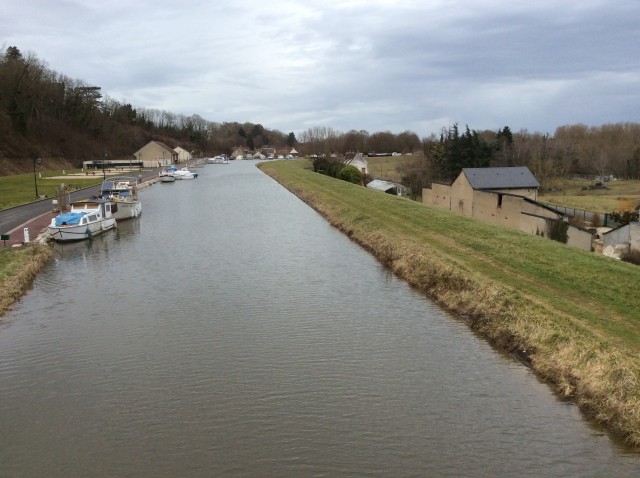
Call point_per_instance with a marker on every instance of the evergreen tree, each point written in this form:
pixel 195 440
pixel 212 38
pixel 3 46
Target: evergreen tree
pixel 504 155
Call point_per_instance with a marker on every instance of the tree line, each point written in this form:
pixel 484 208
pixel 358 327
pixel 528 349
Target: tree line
pixel 49 114
pixel 576 150
pixel 46 113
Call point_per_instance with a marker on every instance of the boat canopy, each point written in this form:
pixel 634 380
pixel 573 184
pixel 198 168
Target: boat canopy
pixel 108 185
pixel 69 218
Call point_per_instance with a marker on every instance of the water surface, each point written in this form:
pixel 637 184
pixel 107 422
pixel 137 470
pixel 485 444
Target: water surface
pixel 230 331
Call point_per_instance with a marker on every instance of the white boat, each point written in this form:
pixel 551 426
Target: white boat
pixel 123 191
pixel 218 160
pixel 184 173
pixel 166 175
pixel 85 219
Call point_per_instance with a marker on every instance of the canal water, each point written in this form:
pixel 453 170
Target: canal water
pixel 231 332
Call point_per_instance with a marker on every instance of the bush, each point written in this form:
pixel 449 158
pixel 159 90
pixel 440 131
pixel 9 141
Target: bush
pixel 557 230
pixel 320 165
pixel 328 166
pixel 334 169
pixel 624 217
pixel 351 174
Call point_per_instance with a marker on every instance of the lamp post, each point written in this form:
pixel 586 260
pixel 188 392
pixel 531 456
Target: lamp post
pixel 37 160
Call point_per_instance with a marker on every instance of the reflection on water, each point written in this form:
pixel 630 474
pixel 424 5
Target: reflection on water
pixel 230 331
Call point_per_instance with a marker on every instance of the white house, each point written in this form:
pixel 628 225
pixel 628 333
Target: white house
pixel 359 162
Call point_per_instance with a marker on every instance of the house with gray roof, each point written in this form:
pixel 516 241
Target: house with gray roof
pixel 459 195
pixel 505 196
pixel 516 180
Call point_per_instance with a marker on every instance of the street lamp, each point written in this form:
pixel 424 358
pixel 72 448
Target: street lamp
pixel 37 160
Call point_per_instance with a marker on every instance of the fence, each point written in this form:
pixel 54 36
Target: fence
pixel 586 216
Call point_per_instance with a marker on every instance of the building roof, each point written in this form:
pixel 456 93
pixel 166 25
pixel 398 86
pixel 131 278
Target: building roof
pixel 385 186
pixel 160 144
pixel 357 159
pixel 381 185
pixel 500 178
pixel 628 225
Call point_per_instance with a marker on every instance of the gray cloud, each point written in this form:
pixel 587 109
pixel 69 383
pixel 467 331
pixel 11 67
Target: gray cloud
pixel 378 65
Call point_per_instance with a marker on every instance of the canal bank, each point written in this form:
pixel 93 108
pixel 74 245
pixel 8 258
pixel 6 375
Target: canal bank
pixel 569 314
pixel 24 253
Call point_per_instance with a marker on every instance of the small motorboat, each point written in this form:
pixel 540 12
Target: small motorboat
pixel 123 191
pixel 85 219
pixel 218 160
pixel 167 175
pixel 184 173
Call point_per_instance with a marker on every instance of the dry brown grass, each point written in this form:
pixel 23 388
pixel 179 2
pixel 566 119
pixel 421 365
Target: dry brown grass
pixel 18 269
pixel 621 195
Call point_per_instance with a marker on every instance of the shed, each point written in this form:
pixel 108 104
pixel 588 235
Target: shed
pixel 388 187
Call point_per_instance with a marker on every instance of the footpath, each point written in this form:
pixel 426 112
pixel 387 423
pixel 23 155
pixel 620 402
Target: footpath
pixel 29 231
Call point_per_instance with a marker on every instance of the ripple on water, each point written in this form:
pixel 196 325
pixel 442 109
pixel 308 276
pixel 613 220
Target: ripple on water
pixel 232 332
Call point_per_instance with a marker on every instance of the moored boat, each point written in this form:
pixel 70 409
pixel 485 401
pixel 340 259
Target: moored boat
pixel 85 219
pixel 167 175
pixel 218 160
pixel 123 191
pixel 184 173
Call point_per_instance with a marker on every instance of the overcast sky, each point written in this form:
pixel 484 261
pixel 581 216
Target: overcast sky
pixel 377 65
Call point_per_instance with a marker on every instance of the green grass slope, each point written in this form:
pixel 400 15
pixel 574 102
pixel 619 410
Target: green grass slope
pixel 572 315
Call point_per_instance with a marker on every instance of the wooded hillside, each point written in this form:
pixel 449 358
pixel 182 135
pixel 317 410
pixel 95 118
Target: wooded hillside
pixel 66 121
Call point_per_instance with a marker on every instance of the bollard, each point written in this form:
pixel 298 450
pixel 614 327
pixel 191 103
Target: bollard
pixel 26 234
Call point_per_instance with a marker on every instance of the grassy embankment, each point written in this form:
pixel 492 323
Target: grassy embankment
pixel 20 188
pixel 18 269
pixel 571 314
